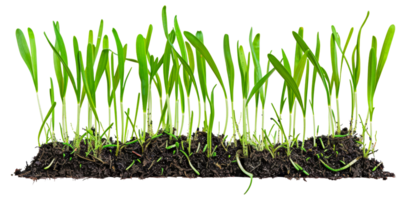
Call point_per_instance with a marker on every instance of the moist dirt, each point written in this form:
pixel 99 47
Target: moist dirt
pixel 175 165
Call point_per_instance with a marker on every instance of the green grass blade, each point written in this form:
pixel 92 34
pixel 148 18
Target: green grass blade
pixel 143 70
pixel 60 56
pixel 121 57
pixel 384 53
pixel 205 53
pixel 88 91
pixel 128 75
pixel 153 66
pixel 166 63
pixel 182 48
pixel 103 61
pixel 283 99
pixel 174 74
pixel 287 77
pixel 259 84
pixel 287 64
pixel 299 70
pixel 89 73
pixel 229 64
pixel 334 62
pixel 188 69
pixel 314 62
pixel 78 70
pixel 33 49
pixel 348 39
pixel 67 69
pixel 26 55
pixel 243 70
pixel 336 37
pixel 50 111
pixel 149 37
pixel 274 109
pixel 164 21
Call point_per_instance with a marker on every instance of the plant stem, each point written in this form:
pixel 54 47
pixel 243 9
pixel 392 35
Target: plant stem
pixel 122 120
pixel 77 126
pixel 314 127
pixel 109 120
pixel 338 110
pixel 189 112
pixel 356 106
pixel 233 123
pixel 176 124
pixel 40 109
pixel 304 128
pixel 289 124
pixel 338 116
pixel 226 111
pixel 244 137
pixel 64 123
pixel 294 117
pixel 199 114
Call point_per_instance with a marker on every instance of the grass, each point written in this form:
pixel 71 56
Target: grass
pixel 174 75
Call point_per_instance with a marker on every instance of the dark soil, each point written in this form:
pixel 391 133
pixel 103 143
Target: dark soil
pixel 174 163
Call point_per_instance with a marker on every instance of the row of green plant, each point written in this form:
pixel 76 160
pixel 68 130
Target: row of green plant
pixel 173 75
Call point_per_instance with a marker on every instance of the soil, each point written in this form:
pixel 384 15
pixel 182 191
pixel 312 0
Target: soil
pixel 173 162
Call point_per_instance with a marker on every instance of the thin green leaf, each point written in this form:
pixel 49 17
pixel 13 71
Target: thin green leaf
pixel 62 57
pixel 314 62
pixel 103 61
pixel 50 111
pixel 348 39
pixel 259 84
pixel 334 62
pixel 299 71
pixel 186 67
pixel 287 77
pixel 205 53
pixel 336 37
pixel 26 55
pixel 68 70
pixel 143 70
pixel 384 53
pixel 89 73
pixel 164 21
pixel 274 109
pixel 148 38
pixel 128 75
pixel 121 58
pixel 33 49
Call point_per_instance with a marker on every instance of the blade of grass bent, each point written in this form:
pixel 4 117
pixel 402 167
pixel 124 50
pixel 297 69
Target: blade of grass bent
pixel 258 85
pixel 287 77
pixel 290 95
pixel 299 71
pixel 87 88
pixel 78 70
pixel 50 111
pixel 120 68
pixel 100 70
pixel 186 67
pixel 62 56
pixel 213 65
pixel 334 62
pixel 67 69
pixel 348 39
pixel 314 62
